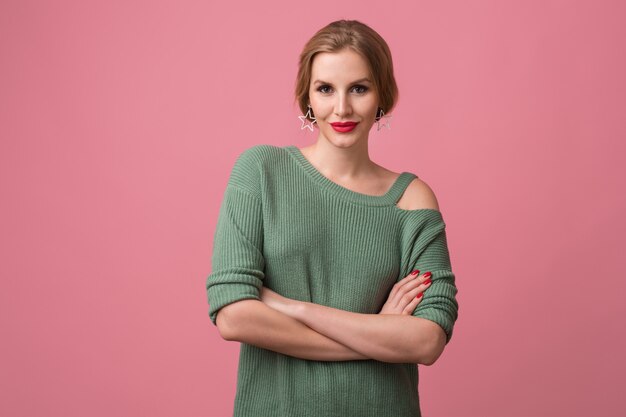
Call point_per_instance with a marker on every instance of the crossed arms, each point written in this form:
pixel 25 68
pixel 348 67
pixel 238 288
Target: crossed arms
pixel 308 330
pixel 312 331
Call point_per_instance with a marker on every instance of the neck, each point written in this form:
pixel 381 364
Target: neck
pixel 340 162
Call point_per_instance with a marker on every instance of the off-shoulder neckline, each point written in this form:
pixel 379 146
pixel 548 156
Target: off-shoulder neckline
pixel 390 198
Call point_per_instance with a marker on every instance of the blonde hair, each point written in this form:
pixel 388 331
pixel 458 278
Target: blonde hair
pixel 361 39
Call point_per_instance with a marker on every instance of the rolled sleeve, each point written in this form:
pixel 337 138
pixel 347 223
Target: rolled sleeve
pixel 429 252
pixel 237 262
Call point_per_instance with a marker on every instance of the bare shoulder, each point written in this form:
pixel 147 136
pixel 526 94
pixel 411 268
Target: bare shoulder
pixel 418 195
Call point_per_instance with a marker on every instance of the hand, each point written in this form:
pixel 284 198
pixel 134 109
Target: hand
pixel 275 300
pixel 402 298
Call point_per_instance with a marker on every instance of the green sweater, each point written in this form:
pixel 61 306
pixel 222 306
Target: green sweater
pixel 284 225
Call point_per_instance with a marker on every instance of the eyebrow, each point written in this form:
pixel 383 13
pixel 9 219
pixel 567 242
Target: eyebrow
pixel 354 82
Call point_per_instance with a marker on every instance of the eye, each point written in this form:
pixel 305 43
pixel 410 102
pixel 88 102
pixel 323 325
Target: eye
pixel 361 89
pixel 322 87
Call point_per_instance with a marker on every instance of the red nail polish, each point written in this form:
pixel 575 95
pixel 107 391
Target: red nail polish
pixel 415 272
pixel 427 274
pixel 428 281
pixel 419 295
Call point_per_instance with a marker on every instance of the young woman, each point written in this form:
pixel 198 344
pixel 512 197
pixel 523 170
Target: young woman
pixel 332 271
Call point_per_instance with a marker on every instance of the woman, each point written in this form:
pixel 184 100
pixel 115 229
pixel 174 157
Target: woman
pixel 332 271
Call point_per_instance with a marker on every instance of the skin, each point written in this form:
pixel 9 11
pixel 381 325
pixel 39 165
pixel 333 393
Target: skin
pixel 312 331
pixel 344 157
pixel 391 336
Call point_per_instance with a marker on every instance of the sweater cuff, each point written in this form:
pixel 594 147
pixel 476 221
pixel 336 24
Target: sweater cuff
pixel 439 304
pixel 441 317
pixel 229 289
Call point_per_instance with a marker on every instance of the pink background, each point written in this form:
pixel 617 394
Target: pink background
pixel 120 122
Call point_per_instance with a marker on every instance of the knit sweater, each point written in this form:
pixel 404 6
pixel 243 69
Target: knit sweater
pixel 284 225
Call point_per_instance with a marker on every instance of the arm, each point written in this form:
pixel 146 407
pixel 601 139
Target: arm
pixel 391 338
pixel 385 337
pixel 427 249
pixel 255 323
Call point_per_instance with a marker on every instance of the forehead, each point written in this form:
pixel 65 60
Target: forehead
pixel 342 66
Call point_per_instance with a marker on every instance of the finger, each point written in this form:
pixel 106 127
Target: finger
pixel 403 295
pixel 408 279
pixel 420 288
pixel 414 274
pixel 403 281
pixel 411 306
pixel 426 277
pixel 410 296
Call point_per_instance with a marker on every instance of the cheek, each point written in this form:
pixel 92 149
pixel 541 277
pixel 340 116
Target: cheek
pixel 368 111
pixel 321 110
pixel 367 104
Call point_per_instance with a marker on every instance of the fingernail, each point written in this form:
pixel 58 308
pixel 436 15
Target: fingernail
pixel 415 272
pixel 428 281
pixel 419 295
pixel 427 274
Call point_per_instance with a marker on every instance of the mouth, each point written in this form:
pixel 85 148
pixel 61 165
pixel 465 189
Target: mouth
pixel 343 127
pixel 344 124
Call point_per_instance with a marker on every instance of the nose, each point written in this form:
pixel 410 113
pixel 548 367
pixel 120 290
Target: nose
pixel 342 105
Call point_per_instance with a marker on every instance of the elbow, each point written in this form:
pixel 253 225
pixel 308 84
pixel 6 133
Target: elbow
pixel 224 322
pixel 432 356
pixel 432 343
pixel 230 315
pixel 436 345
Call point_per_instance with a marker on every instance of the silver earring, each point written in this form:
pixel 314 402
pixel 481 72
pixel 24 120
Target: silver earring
pixel 306 117
pixel 386 124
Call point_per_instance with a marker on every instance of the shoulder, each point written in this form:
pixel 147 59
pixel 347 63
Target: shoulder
pixel 256 158
pixel 247 170
pixel 252 165
pixel 418 195
pixel 257 154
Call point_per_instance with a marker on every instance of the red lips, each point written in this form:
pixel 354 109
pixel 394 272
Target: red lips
pixel 344 127
pixel 344 124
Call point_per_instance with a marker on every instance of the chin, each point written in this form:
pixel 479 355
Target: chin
pixel 342 140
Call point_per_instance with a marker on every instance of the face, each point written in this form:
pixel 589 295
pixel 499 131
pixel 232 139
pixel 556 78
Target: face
pixel 341 90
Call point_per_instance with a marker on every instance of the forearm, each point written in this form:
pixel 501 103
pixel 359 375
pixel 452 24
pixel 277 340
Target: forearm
pixel 385 337
pixel 255 323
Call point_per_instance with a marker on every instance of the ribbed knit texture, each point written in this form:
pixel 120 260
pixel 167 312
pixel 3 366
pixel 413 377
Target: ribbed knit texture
pixel 284 225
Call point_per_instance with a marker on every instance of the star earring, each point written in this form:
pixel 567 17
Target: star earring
pixel 386 124
pixel 306 118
